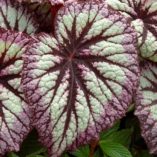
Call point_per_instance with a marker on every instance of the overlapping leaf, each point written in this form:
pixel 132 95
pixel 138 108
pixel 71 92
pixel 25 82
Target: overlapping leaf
pixel 80 81
pixel 42 13
pixel 147 104
pixel 14 114
pixel 14 16
pixel 143 13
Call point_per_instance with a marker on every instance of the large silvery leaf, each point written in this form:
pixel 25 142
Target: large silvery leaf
pixel 14 115
pixel 147 104
pixel 82 80
pixel 14 16
pixel 143 14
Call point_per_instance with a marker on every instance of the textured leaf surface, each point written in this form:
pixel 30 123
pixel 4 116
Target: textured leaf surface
pixel 147 104
pixel 122 137
pixel 81 81
pixel 143 13
pixel 14 16
pixel 115 149
pixel 14 121
pixel 81 152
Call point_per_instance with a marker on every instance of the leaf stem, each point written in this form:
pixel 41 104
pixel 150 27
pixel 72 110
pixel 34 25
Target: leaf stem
pixel 93 146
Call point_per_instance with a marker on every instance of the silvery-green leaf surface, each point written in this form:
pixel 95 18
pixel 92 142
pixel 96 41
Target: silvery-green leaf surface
pixel 143 14
pixel 14 112
pixel 80 81
pixel 14 16
pixel 146 101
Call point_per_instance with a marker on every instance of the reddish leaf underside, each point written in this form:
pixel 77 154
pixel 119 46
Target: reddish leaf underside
pixel 14 114
pixel 147 104
pixel 14 16
pixel 143 14
pixel 82 80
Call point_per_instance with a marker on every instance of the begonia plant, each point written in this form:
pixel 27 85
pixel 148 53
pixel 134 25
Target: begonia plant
pixel 72 68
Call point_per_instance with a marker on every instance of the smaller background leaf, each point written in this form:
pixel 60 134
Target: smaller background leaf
pixel 123 137
pixel 110 131
pixel 11 154
pixel 98 153
pixel 82 152
pixel 65 155
pixel 114 149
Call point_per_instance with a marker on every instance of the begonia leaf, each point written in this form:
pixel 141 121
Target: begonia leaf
pixel 146 101
pixel 81 80
pixel 14 16
pixel 143 14
pixel 14 112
